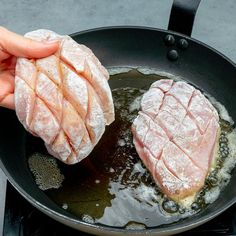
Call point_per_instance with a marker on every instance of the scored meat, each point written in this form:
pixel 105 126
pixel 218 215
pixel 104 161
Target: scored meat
pixel 65 98
pixel 175 135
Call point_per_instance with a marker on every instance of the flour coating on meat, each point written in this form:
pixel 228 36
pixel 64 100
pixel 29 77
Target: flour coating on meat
pixel 65 98
pixel 175 135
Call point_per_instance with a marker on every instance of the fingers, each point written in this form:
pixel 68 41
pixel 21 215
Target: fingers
pixel 8 65
pixel 19 46
pixel 8 102
pixel 3 55
pixel 6 89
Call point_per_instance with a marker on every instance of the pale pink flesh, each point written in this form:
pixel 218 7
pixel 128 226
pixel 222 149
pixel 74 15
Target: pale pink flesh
pixel 61 148
pixel 75 90
pixel 49 93
pixel 152 101
pixel 163 85
pixel 201 110
pixel 175 135
pixel 50 67
pixel 24 102
pixel 83 62
pixel 73 125
pixel 94 117
pixel 101 87
pixel 80 52
pixel 43 123
pixel 182 92
pixel 65 98
pixel 29 75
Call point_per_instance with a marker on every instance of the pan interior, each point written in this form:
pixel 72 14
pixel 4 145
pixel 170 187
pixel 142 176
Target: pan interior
pixel 111 186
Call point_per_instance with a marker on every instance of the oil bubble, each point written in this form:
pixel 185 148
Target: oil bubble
pixel 195 206
pixel 46 171
pixel 170 206
pixel 181 210
pixel 223 139
pixel 135 226
pixel 213 180
pixel 88 219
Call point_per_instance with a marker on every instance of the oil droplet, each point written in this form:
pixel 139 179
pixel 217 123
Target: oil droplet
pixel 65 206
pixel 121 142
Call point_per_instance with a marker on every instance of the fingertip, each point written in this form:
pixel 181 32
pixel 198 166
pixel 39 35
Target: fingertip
pixel 20 46
pixel 42 49
pixel 52 45
pixel 51 42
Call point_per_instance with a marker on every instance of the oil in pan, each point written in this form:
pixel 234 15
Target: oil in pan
pixel 112 187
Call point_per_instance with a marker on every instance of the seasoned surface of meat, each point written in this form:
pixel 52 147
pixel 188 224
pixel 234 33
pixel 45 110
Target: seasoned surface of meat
pixel 175 135
pixel 65 98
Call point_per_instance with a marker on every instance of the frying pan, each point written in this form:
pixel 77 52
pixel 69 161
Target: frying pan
pixel 163 50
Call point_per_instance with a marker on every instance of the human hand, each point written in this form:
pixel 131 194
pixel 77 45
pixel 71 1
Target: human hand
pixel 12 46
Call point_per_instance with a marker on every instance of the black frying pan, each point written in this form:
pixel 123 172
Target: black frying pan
pixel 177 54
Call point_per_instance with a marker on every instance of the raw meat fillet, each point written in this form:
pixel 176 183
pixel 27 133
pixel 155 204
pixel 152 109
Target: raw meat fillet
pixel 175 135
pixel 65 98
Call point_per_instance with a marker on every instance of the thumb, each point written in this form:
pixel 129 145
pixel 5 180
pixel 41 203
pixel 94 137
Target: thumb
pixel 20 46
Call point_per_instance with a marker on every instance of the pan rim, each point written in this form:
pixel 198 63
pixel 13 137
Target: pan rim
pixel 95 228
pixel 108 230
pixel 131 27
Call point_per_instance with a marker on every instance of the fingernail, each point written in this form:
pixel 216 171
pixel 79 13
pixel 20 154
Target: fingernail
pixel 51 41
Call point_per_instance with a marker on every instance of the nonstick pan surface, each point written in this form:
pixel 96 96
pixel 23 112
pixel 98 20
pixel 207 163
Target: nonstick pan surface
pixel 130 47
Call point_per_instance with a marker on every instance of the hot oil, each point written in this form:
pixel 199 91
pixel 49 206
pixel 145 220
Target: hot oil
pixel 111 186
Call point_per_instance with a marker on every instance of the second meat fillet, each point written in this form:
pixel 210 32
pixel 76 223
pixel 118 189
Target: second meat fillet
pixel 65 98
pixel 175 135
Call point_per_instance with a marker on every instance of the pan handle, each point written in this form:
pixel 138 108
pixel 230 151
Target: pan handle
pixel 182 16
